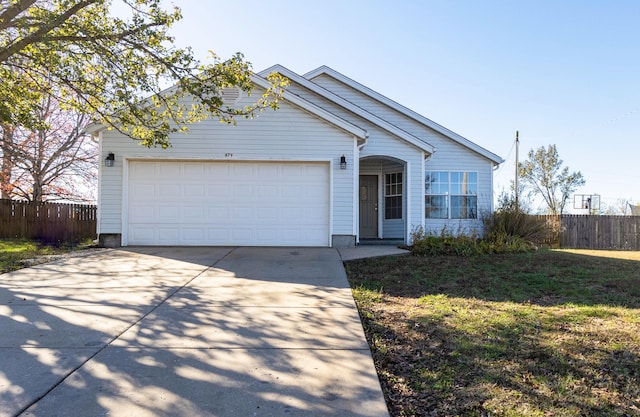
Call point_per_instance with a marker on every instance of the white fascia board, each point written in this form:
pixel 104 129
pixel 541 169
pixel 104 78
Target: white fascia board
pixel 404 110
pixel 396 131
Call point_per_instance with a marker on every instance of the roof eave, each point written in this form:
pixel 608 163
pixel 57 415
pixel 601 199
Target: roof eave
pixel 404 110
pixel 350 107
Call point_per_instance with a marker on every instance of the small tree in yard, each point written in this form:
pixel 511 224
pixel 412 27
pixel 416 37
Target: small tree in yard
pixel 543 174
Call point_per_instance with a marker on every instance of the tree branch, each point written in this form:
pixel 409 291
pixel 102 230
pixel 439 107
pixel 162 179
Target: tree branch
pixel 12 11
pixel 36 36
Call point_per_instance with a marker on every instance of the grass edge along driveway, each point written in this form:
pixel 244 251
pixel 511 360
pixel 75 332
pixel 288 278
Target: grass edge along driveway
pixel 547 333
pixel 21 253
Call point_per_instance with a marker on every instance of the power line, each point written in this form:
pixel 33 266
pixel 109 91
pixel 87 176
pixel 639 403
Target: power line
pixel 507 158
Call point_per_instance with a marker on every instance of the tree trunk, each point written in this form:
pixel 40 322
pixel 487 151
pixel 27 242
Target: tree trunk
pixel 7 162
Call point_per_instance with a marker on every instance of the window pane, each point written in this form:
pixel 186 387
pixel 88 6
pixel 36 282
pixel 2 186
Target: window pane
pixel 393 207
pixel 464 183
pixel 393 196
pixel 435 207
pixel 436 182
pixel 464 207
pixel 470 184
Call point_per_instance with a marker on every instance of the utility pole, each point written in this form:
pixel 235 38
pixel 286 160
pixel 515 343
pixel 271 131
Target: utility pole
pixel 516 182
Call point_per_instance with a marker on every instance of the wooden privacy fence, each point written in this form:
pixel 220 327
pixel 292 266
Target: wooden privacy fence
pixel 49 222
pixel 594 232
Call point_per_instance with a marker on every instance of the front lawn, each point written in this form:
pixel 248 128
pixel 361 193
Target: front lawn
pixel 19 253
pixel 547 333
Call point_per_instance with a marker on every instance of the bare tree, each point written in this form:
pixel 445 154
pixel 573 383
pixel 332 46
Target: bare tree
pixel 620 207
pixel 55 161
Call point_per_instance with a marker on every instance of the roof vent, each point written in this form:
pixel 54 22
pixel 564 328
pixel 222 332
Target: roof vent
pixel 230 96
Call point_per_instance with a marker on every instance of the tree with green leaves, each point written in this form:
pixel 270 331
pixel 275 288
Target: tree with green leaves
pixel 543 174
pixel 123 72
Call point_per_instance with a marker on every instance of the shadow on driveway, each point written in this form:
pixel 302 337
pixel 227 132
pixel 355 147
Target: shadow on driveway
pixel 185 332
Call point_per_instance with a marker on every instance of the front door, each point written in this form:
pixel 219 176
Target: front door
pixel 368 206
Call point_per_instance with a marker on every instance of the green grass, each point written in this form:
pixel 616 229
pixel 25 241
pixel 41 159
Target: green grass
pixel 16 253
pixel 550 333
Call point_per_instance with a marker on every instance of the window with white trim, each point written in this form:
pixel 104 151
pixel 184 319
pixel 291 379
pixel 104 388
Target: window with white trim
pixel 451 195
pixel 393 196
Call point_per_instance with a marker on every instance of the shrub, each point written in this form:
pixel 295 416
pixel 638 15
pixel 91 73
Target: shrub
pixel 506 231
pixel 513 228
pixel 446 243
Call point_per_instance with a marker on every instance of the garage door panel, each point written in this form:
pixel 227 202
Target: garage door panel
pixel 193 215
pixel 168 191
pixel 144 190
pixel 164 171
pixel 241 213
pixel 166 235
pixel 291 192
pixel 193 234
pixel 241 171
pixel 218 190
pixel 267 214
pixel 218 235
pixel 218 214
pixel 263 236
pixel 193 169
pixel 143 171
pixel 228 203
pixel 241 191
pixel 164 213
pixel 266 191
pixel 194 191
pixel 143 234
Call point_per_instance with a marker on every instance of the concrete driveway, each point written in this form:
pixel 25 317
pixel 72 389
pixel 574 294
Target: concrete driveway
pixel 185 332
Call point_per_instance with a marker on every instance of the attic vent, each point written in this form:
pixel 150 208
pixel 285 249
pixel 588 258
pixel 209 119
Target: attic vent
pixel 230 96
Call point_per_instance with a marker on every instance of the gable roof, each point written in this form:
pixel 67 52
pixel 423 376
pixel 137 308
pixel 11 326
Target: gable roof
pixel 323 114
pixel 383 124
pixel 325 70
pixel 316 110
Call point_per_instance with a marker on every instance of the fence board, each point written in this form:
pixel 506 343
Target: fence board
pixel 595 232
pixel 50 222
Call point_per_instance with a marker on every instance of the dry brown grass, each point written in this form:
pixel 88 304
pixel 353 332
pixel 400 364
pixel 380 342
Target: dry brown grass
pixel 551 333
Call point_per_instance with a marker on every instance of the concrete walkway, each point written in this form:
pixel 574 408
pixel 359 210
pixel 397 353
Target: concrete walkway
pixel 185 332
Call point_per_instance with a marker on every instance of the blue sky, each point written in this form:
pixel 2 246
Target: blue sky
pixel 559 72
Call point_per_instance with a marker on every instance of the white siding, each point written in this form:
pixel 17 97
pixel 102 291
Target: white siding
pixel 449 156
pixel 382 143
pixel 289 134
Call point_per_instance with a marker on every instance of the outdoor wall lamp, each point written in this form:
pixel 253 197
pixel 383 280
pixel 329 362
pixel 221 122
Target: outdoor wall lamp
pixel 343 162
pixel 109 160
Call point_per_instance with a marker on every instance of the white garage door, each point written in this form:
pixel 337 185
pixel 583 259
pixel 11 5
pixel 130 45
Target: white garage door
pixel 228 203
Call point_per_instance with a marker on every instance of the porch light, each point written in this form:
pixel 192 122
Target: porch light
pixel 343 162
pixel 109 160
